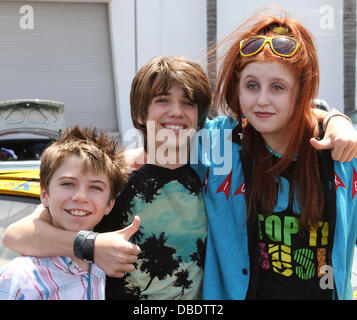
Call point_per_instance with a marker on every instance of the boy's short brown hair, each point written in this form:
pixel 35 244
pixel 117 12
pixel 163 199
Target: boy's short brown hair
pixel 159 75
pixel 99 152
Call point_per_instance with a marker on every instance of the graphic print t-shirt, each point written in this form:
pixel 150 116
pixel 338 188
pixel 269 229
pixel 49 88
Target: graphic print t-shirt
pixel 172 234
pixel 291 262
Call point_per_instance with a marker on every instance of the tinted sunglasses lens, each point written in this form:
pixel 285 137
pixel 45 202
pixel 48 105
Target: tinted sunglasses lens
pixel 284 46
pixel 252 45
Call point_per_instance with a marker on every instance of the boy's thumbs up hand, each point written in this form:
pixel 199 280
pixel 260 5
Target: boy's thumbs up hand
pixel 129 231
pixel 113 252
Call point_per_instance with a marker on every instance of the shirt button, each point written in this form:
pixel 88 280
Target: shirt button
pixel 245 271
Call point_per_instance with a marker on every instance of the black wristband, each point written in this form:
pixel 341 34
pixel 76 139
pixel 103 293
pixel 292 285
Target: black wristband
pixel 83 245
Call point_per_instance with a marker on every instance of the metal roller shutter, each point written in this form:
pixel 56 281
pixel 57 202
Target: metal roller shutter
pixel 65 57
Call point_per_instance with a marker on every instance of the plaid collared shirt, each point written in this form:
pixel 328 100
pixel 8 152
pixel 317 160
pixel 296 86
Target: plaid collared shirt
pixel 53 278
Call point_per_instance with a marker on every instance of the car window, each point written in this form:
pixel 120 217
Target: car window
pixel 19 150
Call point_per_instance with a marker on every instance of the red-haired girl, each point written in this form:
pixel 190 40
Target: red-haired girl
pixel 283 222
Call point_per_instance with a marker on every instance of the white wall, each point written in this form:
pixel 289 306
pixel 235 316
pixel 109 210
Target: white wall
pixel 171 27
pixel 122 25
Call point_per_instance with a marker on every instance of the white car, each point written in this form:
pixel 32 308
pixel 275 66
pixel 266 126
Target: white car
pixel 27 127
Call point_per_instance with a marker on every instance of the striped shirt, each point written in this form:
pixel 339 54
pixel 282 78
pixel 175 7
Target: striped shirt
pixel 53 278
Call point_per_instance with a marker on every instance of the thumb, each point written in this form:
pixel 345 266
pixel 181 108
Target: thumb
pixel 130 230
pixel 323 144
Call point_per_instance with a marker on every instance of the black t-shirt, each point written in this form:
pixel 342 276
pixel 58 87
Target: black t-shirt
pixel 289 262
pixel 286 262
pixel 172 234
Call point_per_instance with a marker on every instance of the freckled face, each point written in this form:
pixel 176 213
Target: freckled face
pixel 267 98
pixel 77 200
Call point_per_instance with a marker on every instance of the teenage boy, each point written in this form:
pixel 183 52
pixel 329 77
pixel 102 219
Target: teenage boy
pixel 80 177
pixel 170 96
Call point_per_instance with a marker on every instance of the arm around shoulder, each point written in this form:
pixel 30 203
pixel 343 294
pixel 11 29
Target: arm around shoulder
pixel 340 136
pixel 35 235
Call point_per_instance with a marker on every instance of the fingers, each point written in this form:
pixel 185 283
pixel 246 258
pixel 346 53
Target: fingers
pixel 344 151
pixel 352 155
pixel 126 254
pixel 322 144
pixel 120 270
pixel 131 250
pixel 130 230
pixel 115 255
pixel 341 150
pixel 338 153
pixel 119 274
pixel 117 266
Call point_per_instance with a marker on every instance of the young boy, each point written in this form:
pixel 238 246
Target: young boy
pixel 80 176
pixel 170 96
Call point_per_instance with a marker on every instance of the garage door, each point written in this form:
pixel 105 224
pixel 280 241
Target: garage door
pixel 65 57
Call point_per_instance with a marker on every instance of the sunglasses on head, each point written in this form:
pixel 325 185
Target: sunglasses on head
pixel 280 45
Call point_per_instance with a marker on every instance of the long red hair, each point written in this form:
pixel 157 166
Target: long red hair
pixel 262 191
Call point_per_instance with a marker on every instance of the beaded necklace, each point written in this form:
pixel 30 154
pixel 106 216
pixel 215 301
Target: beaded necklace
pixel 278 155
pixel 272 151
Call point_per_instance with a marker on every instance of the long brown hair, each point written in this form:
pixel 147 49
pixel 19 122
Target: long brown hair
pixel 261 190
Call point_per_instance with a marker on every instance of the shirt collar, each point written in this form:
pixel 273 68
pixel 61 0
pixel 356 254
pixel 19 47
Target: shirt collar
pixel 67 264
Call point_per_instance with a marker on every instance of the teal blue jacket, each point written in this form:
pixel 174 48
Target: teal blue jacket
pixel 227 269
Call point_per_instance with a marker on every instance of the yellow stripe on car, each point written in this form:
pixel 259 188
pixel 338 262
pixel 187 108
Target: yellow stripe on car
pixel 20 182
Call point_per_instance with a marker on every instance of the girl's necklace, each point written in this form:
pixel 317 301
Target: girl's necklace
pixel 272 151
pixel 278 155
